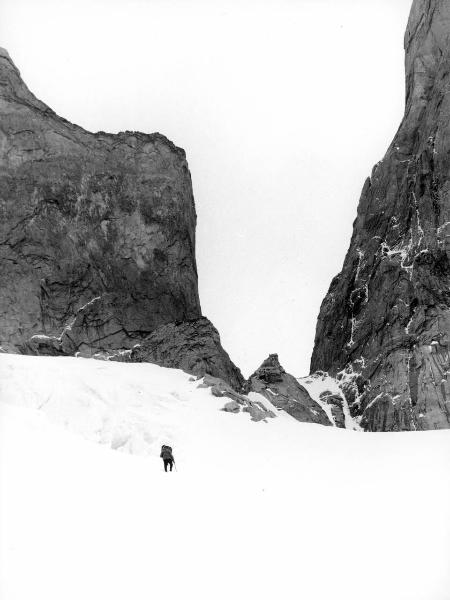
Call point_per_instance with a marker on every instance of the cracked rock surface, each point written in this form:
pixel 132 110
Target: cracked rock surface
pixel 97 242
pixel 384 326
pixel 97 231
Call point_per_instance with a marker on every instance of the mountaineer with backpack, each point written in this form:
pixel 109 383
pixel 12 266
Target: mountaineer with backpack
pixel 167 456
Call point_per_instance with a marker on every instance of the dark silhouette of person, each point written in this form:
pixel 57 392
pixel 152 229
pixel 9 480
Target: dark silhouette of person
pixel 167 456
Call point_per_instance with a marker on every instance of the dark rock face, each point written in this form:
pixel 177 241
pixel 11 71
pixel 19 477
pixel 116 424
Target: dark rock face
pixel 384 325
pixel 97 231
pixel 97 242
pixel 337 408
pixel 193 346
pixel 285 392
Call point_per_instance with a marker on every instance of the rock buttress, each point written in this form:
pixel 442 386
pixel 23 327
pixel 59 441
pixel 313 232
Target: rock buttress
pixel 97 242
pixel 384 325
pixel 97 228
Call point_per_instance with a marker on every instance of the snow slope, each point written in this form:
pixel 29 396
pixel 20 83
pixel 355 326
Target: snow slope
pixel 275 509
pixel 320 382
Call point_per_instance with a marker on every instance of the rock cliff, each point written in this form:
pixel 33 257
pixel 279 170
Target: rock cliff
pixel 384 326
pixel 97 234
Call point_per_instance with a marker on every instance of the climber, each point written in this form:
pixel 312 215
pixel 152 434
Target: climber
pixel 167 456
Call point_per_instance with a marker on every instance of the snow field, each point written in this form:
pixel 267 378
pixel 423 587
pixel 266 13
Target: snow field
pixel 256 510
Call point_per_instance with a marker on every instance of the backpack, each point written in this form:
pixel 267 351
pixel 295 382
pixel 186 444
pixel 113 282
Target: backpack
pixel 166 453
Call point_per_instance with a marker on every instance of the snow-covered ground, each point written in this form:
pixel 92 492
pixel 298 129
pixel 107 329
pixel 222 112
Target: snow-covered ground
pixel 274 509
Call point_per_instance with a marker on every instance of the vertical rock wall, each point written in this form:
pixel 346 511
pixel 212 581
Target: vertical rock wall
pixel 97 231
pixel 384 326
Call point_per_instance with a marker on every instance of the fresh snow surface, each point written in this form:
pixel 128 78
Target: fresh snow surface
pixel 277 510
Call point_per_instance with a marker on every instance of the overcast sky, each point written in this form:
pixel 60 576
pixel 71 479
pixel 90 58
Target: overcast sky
pixel 282 107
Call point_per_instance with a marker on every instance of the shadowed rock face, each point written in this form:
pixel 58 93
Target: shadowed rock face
pixel 337 408
pixel 384 325
pixel 97 231
pixel 193 346
pixel 285 392
pixel 97 242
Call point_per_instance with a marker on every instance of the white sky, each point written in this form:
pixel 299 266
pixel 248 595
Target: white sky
pixel 282 107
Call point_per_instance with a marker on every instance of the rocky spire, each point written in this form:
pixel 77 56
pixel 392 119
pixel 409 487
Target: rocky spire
pixel 285 392
pixel 384 325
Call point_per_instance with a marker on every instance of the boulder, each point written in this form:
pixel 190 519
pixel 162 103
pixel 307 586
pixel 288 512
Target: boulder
pixel 232 407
